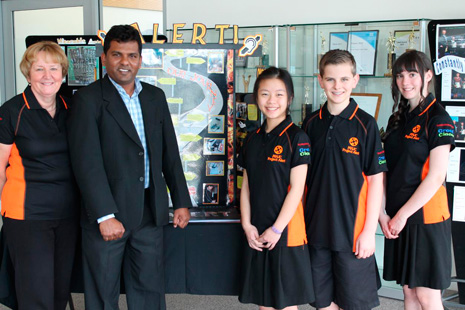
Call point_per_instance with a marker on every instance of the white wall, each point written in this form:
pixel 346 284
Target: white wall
pixel 279 12
pixel 145 18
pixel 26 24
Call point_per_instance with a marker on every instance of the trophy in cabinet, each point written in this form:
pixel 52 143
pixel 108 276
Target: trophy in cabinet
pixel 391 46
pixel 246 83
pixel 411 40
pixel 322 50
pixel 265 57
pixel 306 106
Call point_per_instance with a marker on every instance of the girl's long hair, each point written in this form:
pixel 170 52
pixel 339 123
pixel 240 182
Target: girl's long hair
pixel 411 61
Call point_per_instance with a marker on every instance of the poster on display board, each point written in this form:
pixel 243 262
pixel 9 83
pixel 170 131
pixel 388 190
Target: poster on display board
pixel 459 204
pixel 199 86
pixel 457 114
pixel 448 56
pixel 456 168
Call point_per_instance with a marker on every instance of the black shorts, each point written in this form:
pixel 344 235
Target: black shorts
pixel 342 278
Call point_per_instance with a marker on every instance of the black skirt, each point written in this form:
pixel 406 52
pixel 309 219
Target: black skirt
pixel 420 256
pixel 278 278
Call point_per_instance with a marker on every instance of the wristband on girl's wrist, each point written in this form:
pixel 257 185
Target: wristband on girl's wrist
pixel 275 230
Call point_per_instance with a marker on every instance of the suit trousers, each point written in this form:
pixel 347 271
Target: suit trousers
pixel 138 254
pixel 42 253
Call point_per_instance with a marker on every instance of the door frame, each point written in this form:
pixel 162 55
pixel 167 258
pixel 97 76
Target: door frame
pixel 92 11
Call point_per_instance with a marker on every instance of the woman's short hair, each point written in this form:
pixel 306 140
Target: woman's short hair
pixel 52 49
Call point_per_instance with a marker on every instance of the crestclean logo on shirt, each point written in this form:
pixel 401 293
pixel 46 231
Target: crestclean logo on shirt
pixel 304 149
pixel 445 132
pixel 277 156
pixel 381 158
pixel 352 148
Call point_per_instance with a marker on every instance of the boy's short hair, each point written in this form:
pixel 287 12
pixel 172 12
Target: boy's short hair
pixel 337 57
pixel 122 34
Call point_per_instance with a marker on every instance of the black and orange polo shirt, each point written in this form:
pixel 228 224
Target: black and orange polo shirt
pixel 268 159
pixel 346 148
pixel 407 154
pixel 40 184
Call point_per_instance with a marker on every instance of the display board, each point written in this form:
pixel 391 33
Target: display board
pixel 198 81
pixel 199 87
pixel 447 47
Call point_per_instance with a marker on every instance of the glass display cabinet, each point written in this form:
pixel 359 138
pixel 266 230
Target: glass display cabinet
pixel 305 44
pixel 298 48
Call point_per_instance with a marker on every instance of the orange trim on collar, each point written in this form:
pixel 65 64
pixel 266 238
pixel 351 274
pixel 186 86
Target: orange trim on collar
pixel 353 114
pixel 27 103
pixel 64 102
pixel 25 100
pixel 427 107
pixel 320 113
pixel 285 129
pixel 258 130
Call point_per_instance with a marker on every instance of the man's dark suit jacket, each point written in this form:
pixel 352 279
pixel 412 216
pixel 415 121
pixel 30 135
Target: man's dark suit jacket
pixel 108 158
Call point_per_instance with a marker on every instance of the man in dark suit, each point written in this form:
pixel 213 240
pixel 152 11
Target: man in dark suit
pixel 443 43
pixel 124 154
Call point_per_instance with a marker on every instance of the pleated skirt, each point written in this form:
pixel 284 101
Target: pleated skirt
pixel 420 257
pixel 278 278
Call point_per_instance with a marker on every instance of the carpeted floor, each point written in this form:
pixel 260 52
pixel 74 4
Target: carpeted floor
pixel 198 302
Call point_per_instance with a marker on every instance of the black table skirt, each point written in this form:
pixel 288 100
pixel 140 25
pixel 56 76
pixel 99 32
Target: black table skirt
pixel 202 259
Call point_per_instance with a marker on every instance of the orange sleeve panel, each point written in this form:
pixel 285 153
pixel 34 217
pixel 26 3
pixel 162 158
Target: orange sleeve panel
pixel 361 215
pixel 14 191
pixel 436 210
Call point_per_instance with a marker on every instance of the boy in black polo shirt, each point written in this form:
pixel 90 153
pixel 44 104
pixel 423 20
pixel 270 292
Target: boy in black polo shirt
pixel 345 186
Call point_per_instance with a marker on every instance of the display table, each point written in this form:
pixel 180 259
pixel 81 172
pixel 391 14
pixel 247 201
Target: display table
pixel 204 258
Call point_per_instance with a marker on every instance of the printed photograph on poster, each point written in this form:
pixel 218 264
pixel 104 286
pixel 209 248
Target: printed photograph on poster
pixel 210 193
pixel 216 124
pixel 450 40
pixel 149 79
pixel 152 59
pixel 456 169
pixel 215 63
pixel 458 208
pixel 213 146
pixel 458 85
pixel 241 110
pixel 83 65
pixel 338 40
pixel 457 114
pixel 215 168
pixel 406 39
pixel 363 46
pixel 452 78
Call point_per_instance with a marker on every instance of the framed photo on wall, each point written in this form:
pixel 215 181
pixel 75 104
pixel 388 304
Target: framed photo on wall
pixel 364 45
pixel 338 40
pixel 406 39
pixel 369 103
